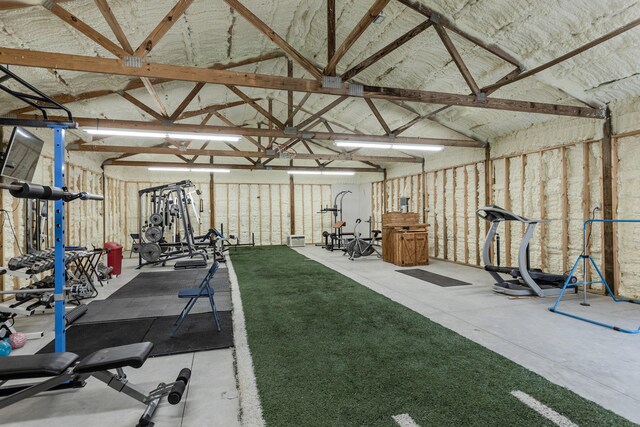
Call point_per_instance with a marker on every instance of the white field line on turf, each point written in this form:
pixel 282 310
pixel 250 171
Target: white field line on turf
pixel 404 420
pixel 544 410
pixel 250 407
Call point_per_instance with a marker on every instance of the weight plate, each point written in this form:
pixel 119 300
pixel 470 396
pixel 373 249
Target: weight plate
pixel 153 234
pixel 135 248
pixel 155 219
pixel 150 252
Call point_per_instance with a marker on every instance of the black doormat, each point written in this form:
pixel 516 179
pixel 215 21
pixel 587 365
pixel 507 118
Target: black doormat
pixel 434 278
pixel 158 283
pixel 198 333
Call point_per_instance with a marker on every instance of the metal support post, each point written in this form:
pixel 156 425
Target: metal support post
pixel 59 235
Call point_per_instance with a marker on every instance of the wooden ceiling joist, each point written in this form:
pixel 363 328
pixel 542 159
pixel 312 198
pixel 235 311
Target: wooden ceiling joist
pixel 186 101
pixel 265 132
pixel 183 73
pixel 162 28
pixel 141 105
pixel 273 36
pixel 378 116
pixel 108 15
pixel 235 166
pixel 255 106
pixel 212 108
pixel 457 59
pixel 355 34
pixel 232 153
pixel 356 69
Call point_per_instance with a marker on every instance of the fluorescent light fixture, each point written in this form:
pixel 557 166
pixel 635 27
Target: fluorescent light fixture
pixel 211 170
pixel 357 144
pixel 345 173
pixel 168 169
pixel 304 172
pixel 417 147
pixel 382 145
pixel 172 135
pixel 177 169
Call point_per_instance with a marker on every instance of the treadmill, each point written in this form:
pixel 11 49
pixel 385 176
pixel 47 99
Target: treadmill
pixel 525 281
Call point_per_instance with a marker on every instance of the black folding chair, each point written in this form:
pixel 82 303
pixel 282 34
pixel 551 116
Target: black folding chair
pixel 204 290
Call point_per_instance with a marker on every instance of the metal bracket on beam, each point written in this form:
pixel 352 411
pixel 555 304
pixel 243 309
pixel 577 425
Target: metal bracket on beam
pixel 435 18
pixel 48 4
pixel 602 112
pixel 481 97
pixel 306 135
pixel 332 82
pixel 289 130
pixel 356 89
pixel 133 62
pixel 270 152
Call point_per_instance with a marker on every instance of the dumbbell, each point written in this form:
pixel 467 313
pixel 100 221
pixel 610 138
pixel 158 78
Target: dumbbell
pixel 28 260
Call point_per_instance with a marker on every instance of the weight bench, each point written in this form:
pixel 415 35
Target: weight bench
pixel 66 370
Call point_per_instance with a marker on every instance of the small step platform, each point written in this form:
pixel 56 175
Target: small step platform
pixel 192 263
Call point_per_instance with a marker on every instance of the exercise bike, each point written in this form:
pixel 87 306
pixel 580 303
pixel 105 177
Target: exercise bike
pixel 526 281
pixel 359 247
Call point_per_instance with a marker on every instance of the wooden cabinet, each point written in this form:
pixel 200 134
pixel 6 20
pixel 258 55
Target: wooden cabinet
pixel 404 239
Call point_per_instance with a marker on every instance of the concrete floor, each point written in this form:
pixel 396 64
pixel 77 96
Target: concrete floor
pixel 211 398
pixel 596 363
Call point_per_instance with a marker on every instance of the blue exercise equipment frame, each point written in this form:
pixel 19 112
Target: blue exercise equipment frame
pixel 59 239
pixel 586 259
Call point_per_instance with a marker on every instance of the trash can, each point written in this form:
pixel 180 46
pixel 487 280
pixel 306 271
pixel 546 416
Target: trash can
pixel 114 257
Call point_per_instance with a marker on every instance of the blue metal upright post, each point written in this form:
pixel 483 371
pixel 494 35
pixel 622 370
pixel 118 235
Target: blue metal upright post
pixel 59 235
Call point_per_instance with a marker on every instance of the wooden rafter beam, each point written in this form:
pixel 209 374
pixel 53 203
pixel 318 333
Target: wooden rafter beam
pixel 566 56
pixel 311 152
pixel 356 69
pixel 141 105
pixel 247 99
pixel 108 15
pixel 85 29
pixel 194 74
pixel 289 94
pixel 355 34
pixel 162 28
pixel 154 95
pixel 265 132
pixel 457 59
pixel 322 111
pixel 211 109
pixel 137 83
pixel 274 37
pixel 331 29
pixel 297 107
pixel 247 137
pixel 338 151
pixel 235 166
pixel 230 153
pixel 186 101
pixel 435 17
pixel 378 116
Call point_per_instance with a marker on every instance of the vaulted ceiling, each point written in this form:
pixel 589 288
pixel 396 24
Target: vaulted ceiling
pixel 212 33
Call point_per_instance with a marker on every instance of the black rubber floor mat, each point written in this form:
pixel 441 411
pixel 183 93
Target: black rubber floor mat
pixel 198 333
pixel 434 278
pixel 158 283
pixel 86 339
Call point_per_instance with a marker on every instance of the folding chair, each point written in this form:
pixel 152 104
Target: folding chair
pixel 204 290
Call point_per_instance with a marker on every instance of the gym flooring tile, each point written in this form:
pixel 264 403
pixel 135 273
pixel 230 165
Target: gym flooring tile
pixel 596 363
pixel 211 395
pixel 328 351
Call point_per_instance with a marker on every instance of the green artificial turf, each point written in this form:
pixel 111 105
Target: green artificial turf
pixel 330 352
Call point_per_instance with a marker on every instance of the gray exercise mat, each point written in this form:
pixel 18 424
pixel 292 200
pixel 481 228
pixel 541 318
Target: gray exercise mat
pixel 137 308
pixel 159 283
pixel 434 278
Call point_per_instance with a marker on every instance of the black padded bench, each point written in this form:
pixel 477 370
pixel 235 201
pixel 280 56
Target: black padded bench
pixel 64 369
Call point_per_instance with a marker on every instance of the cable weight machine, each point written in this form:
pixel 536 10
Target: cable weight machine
pixel 333 240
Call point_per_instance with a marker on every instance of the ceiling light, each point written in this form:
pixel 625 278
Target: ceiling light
pixel 382 145
pixel 172 135
pixel 177 169
pixel 344 173
pixel 378 19
pixel 168 169
pixel 211 170
pixel 417 147
pixel 362 144
pixel 304 172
